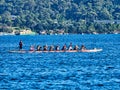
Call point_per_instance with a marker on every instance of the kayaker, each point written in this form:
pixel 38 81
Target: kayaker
pixel 32 48
pixel 20 45
pixel 39 48
pixel 45 47
pixel 57 48
pixel 70 47
pixel 64 47
pixel 83 47
pixel 76 47
pixel 51 48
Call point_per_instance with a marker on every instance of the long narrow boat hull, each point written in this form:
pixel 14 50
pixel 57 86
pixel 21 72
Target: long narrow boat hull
pixel 25 51
pixel 17 51
pixel 92 50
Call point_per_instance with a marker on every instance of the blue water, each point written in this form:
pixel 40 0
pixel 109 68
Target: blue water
pixel 60 71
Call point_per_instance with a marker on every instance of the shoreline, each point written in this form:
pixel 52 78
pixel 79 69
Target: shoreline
pixel 34 34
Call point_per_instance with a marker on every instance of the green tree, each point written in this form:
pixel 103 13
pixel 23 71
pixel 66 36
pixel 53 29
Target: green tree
pixel 74 16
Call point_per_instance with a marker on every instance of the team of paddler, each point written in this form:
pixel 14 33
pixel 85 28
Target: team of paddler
pixel 54 48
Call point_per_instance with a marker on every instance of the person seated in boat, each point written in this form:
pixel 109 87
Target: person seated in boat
pixel 20 45
pixel 57 48
pixel 76 47
pixel 45 47
pixel 83 47
pixel 32 48
pixel 51 48
pixel 70 47
pixel 64 47
pixel 39 48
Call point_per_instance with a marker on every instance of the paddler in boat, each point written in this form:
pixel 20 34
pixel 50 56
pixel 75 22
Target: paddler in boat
pixel 76 48
pixel 64 48
pixel 70 47
pixel 32 48
pixel 39 48
pixel 82 48
pixel 51 48
pixel 57 48
pixel 45 47
pixel 20 45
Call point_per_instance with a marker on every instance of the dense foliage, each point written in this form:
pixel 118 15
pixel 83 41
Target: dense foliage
pixel 73 16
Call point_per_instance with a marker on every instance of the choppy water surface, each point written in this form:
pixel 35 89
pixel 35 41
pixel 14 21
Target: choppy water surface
pixel 61 71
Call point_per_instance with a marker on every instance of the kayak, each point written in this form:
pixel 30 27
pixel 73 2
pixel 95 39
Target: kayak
pixel 27 51
pixel 17 51
pixel 23 51
pixel 92 50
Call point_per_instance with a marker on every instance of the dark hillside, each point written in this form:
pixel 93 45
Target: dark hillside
pixel 73 16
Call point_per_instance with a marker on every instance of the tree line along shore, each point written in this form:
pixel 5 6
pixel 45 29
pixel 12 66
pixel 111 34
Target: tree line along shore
pixel 70 16
pixel 45 32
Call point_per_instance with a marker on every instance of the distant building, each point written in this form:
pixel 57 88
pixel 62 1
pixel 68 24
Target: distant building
pixel 13 17
pixel 43 32
pixel 116 32
pixel 108 21
pixel 51 32
pixel 60 32
pixel 23 32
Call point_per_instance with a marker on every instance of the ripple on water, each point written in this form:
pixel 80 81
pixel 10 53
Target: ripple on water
pixel 61 71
